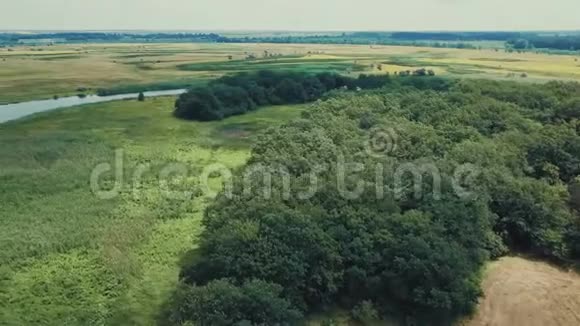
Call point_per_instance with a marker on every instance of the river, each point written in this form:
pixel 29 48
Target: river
pixel 15 111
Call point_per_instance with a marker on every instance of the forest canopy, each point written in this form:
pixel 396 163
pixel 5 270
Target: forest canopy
pixel 238 94
pixel 413 256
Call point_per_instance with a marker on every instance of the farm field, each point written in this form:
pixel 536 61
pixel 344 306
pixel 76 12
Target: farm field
pixel 517 291
pixel 45 71
pixel 526 292
pixel 68 257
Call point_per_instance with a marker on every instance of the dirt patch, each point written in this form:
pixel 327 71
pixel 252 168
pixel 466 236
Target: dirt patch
pixel 524 292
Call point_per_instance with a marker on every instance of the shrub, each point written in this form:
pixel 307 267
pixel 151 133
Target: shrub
pixel 365 312
pixel 221 302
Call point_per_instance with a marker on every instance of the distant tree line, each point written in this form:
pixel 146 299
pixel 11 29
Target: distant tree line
pixel 456 36
pixel 75 37
pixel 238 94
pixel 515 40
pixel 330 38
pixel 565 42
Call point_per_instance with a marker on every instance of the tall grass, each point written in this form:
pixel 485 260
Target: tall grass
pixel 70 258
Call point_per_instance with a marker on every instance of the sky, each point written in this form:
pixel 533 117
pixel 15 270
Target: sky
pixel 299 15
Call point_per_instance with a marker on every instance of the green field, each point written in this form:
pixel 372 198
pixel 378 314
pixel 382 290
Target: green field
pixel 68 257
pixel 33 72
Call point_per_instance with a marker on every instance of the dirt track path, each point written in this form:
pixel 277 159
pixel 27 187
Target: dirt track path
pixel 528 293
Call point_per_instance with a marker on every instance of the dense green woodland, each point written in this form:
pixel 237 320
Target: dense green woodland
pixel 414 258
pixel 238 94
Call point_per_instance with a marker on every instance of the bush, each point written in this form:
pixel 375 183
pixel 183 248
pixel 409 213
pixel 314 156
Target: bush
pixel 365 312
pixel 206 104
pixel 221 302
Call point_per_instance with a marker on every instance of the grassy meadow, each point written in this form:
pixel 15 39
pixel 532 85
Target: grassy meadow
pixel 70 258
pixel 45 71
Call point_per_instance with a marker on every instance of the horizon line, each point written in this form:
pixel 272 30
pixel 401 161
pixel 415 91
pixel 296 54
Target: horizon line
pixel 286 30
